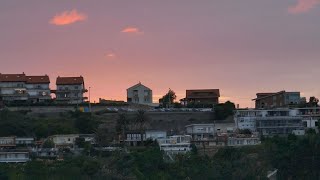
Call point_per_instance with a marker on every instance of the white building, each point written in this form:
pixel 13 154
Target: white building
pixel 269 122
pixel 19 87
pixel 70 90
pixel 13 87
pixel 27 141
pixel 139 94
pixel 243 140
pixel 175 144
pixel 14 157
pixel 64 140
pixel 200 131
pixel 7 142
pixel 155 134
pixel 38 88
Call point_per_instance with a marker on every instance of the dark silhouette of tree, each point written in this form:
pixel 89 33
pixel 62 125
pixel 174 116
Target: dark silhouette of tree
pixel 168 99
pixel 223 110
pixel 313 101
pixel 122 125
pixel 141 121
pixel 48 144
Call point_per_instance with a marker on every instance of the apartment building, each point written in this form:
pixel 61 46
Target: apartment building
pixel 70 90
pixel 175 144
pixel 22 88
pixel 38 88
pixel 139 94
pixel 277 100
pixel 269 122
pixel 200 131
pixel 14 156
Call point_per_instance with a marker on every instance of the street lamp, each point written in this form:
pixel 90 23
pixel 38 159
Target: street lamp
pixel 89 99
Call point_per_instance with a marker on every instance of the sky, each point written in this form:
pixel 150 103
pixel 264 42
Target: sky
pixel 240 47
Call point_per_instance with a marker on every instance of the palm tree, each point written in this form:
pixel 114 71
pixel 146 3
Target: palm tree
pixel 141 121
pixel 122 125
pixel 101 138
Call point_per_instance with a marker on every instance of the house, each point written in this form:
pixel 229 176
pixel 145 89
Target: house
pixel 13 88
pixel 64 140
pixel 8 142
pixel 51 153
pixel 155 134
pixel 139 94
pixel 269 122
pixel 22 88
pixel 175 144
pixel 243 140
pixel 88 138
pixel 200 131
pixel 201 97
pixel 133 138
pixel 38 88
pixel 25 141
pixel 70 90
pixel 277 99
pixel 14 156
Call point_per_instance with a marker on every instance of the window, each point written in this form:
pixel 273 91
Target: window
pixel 76 87
pixel 76 94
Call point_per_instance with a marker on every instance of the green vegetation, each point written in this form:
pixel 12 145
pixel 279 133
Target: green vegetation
pixel 168 99
pixel 224 110
pixel 294 157
pixel 20 124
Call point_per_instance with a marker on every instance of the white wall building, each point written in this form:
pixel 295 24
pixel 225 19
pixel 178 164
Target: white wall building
pixel 175 144
pixel 38 88
pixel 64 140
pixel 13 87
pixel 28 141
pixel 70 90
pixel 19 87
pixel 139 94
pixel 200 131
pixel 8 141
pixel 14 157
pixel 155 134
pixel 243 140
pixel 269 122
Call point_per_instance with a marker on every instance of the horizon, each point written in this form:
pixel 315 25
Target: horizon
pixel 241 48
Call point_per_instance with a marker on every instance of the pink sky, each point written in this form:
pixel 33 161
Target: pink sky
pixel 241 47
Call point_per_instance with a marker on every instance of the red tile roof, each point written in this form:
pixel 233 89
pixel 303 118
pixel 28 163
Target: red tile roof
pixel 12 77
pixel 69 80
pixel 37 79
pixel 205 93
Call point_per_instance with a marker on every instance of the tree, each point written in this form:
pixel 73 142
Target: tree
pixel 245 131
pixel 122 125
pixel 101 137
pixel 223 110
pixel 168 99
pixel 80 142
pixel 313 101
pixel 141 121
pixel 85 123
pixel 48 144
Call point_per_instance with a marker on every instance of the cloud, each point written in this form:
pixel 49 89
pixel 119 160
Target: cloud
pixel 68 17
pixel 110 55
pixel 303 6
pixel 132 30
